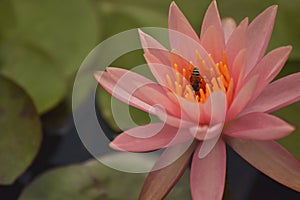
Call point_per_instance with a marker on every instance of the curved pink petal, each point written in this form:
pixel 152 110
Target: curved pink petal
pixel 212 18
pixel 270 158
pixel 213 111
pixel 238 69
pixel 216 106
pixel 258 36
pixel 236 42
pixel 229 25
pixel 205 132
pixel 135 90
pixel 161 180
pixel 149 43
pixel 242 98
pixel 208 174
pixel 178 22
pixel 213 42
pixel 258 126
pixel 269 67
pixel 182 37
pixel 147 138
pixel 157 57
pixel 278 94
pixel 163 68
pixel 177 122
pixel 110 85
pixel 155 95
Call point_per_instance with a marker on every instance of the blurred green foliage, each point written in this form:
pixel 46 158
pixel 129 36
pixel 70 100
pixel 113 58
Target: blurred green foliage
pixel 92 180
pixel 42 44
pixel 20 136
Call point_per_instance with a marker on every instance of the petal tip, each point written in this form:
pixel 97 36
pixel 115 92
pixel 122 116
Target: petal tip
pixel 173 5
pixel 97 75
pixel 114 146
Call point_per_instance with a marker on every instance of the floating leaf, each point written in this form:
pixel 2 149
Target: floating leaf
pixel 65 29
pixel 20 135
pixel 93 180
pixel 34 71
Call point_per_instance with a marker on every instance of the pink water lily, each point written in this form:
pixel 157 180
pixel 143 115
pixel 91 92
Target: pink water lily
pixel 230 103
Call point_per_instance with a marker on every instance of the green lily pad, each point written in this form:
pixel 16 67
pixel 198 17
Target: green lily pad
pixel 34 71
pixel 93 180
pixel 64 29
pixel 20 136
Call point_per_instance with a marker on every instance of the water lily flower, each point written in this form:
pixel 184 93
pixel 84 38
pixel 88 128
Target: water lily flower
pixel 211 91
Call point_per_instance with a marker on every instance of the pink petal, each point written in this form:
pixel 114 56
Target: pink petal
pixel 149 43
pixel 270 158
pixel 148 138
pixel 161 68
pixel 205 132
pixel 183 38
pixel 155 95
pixel 213 42
pixel 236 42
pixel 211 139
pixel 214 109
pixel 258 36
pixel 179 23
pixel 208 174
pixel 110 85
pixel 178 122
pixel 134 90
pixel 278 94
pixel 258 126
pixel 241 100
pixel 212 18
pixel 157 57
pixel 269 67
pixel 238 68
pixel 229 25
pixel 160 181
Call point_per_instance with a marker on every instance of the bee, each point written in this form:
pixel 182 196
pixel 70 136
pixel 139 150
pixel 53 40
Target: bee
pixel 197 81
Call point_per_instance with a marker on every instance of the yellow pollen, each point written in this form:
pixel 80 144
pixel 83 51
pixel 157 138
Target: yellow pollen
pixel 230 91
pixel 183 76
pixel 213 76
pixel 178 88
pixel 208 90
pixel 224 71
pixel 189 93
pixel 169 81
pixel 224 81
pixel 177 77
pixel 221 84
pixel 215 84
pixel 202 95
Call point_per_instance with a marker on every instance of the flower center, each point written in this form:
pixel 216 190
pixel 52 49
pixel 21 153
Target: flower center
pixel 196 83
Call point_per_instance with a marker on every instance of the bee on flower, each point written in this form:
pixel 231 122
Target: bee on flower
pixel 215 89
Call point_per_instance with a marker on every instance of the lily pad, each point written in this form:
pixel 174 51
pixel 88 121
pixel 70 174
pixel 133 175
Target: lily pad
pixel 20 136
pixel 34 71
pixel 64 29
pixel 93 180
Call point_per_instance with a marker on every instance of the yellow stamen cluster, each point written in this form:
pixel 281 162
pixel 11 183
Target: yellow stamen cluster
pixel 216 77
